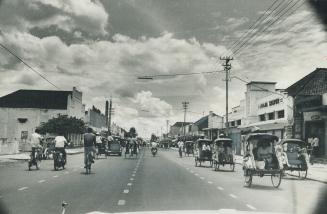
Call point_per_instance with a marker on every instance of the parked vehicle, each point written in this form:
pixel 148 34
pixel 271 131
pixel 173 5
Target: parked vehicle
pixel 35 159
pixel 294 156
pixel 114 147
pixel 260 158
pixel 189 148
pixel 58 160
pixel 203 152
pixel 223 153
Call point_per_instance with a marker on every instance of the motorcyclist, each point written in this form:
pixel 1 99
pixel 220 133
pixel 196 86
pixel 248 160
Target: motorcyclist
pixel 89 144
pixel 35 142
pixel 98 140
pixel 154 146
pixel 60 145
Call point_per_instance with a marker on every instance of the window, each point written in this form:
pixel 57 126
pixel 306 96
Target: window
pixel 281 114
pixel 233 123
pixel 271 116
pixel 262 117
pixel 239 122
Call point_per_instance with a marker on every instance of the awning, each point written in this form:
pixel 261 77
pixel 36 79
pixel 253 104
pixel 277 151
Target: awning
pixel 267 125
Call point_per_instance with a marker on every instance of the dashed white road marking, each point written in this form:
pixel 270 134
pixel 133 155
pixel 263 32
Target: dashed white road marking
pixel 131 179
pixel 187 168
pixel 220 188
pixel 55 176
pixel 209 182
pixel 192 171
pixel 232 195
pixel 41 181
pixel 129 184
pixel 126 190
pixel 121 202
pixel 202 178
pixel 82 167
pixel 74 170
pixel 22 188
pixel 133 175
pixel 251 207
pixel 196 174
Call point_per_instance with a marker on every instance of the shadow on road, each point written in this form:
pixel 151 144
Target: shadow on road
pixel 264 187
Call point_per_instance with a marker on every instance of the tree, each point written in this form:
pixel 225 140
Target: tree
pixel 63 125
pixel 132 132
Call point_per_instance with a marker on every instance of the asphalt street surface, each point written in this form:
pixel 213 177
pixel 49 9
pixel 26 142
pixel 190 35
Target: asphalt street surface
pixel 146 183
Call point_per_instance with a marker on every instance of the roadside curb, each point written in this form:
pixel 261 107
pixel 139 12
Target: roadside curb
pixel 308 178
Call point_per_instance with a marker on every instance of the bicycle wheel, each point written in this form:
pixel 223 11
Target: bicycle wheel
pixel 303 174
pixel 276 179
pixel 248 179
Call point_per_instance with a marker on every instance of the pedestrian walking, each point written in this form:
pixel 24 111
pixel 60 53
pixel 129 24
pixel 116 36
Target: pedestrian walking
pixel 315 146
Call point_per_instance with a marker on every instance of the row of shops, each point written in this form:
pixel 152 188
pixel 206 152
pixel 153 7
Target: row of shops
pixel 300 111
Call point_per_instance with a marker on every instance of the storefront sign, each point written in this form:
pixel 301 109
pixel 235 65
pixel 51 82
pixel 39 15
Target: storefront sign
pixel 313 115
pixel 271 103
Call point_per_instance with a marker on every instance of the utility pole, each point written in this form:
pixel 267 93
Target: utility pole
pixel 167 124
pixel 106 112
pixel 111 112
pixel 227 67
pixel 185 107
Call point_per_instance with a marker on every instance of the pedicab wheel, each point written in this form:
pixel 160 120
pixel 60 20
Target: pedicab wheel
pixel 232 167
pixel 211 164
pixel 216 166
pixel 55 166
pixel 248 179
pixel 276 179
pixel 303 174
pixel 200 163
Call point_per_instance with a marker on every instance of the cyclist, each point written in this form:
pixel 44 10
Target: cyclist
pixel 89 144
pixel 60 144
pixel 35 142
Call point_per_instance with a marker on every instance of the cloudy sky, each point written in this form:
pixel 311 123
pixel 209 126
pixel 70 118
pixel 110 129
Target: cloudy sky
pixel 102 46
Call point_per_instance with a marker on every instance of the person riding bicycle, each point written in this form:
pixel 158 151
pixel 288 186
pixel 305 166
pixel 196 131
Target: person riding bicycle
pixel 89 144
pixel 35 142
pixel 154 145
pixel 60 145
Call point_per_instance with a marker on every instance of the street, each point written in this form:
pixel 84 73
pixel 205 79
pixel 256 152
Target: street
pixel 160 183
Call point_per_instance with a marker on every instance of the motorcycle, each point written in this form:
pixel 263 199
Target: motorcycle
pixel 36 160
pixel 58 160
pixel 154 151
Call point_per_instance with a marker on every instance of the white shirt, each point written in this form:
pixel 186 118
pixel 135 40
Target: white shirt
pixel 35 140
pixel 60 141
pixel 180 144
pixel 154 144
pixel 315 142
pixel 98 139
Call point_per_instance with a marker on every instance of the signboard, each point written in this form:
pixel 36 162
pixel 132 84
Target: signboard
pixel 271 103
pixel 24 135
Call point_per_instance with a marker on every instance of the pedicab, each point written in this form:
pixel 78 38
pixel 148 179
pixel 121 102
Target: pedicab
pixel 223 153
pixel 294 156
pixel 102 149
pixel 260 158
pixel 189 148
pixel 203 152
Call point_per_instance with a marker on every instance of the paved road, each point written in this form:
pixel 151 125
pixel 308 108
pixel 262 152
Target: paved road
pixel 164 182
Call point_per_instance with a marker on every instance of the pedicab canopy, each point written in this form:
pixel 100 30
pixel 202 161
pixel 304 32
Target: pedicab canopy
pixel 299 142
pixel 223 140
pixel 202 141
pixel 261 136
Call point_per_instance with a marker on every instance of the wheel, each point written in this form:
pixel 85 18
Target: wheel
pixel 303 174
pixel 37 166
pixel 216 166
pixel 55 166
pixel 232 167
pixel 29 166
pixel 276 179
pixel 196 162
pixel 200 163
pixel 248 179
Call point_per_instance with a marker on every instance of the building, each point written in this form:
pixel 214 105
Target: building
pixel 177 130
pixel 264 107
pixel 310 107
pixel 23 110
pixel 95 119
pixel 215 123
pixel 199 127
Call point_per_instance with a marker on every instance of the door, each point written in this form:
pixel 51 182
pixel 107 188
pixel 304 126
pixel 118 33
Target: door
pixel 316 129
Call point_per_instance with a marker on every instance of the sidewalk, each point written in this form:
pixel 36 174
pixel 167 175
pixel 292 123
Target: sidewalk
pixel 26 155
pixel 316 172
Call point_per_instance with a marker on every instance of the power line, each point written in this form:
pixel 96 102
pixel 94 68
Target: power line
pixel 252 27
pixel 244 45
pixel 150 77
pixel 26 64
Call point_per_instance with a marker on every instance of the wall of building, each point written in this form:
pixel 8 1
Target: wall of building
pixel 95 120
pixel 75 107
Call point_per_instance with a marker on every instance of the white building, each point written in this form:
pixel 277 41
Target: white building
pixel 23 110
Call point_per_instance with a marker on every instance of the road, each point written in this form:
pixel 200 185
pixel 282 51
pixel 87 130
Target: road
pixel 146 183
